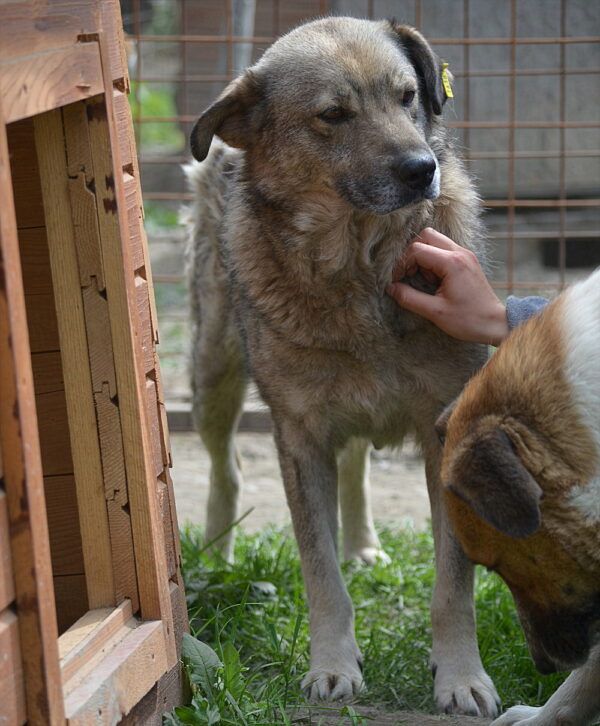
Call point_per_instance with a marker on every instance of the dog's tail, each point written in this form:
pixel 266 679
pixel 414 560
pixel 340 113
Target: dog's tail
pixel 209 182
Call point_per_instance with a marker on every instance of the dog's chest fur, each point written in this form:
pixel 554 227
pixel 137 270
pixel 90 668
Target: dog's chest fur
pixel 308 286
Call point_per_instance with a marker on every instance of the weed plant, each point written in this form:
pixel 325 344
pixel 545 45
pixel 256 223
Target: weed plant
pixel 249 645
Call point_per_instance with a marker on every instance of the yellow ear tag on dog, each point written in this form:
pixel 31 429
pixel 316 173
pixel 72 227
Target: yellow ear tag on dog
pixel 446 81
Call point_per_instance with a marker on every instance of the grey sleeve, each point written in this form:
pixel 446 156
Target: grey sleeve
pixel 518 309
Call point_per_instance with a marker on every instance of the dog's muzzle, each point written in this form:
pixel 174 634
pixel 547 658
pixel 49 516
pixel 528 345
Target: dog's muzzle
pixel 560 639
pixel 415 172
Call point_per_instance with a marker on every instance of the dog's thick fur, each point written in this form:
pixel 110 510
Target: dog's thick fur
pixel 521 472
pixel 340 159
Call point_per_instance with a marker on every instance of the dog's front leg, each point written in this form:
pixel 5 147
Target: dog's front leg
pixel 461 683
pixel 309 474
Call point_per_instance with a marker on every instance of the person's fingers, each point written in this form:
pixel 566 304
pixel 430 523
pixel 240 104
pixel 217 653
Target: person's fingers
pixel 402 270
pixel 406 265
pixel 432 237
pixel 426 257
pixel 430 277
pixel 413 300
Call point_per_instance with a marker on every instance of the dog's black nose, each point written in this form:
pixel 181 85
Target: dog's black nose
pixel 416 172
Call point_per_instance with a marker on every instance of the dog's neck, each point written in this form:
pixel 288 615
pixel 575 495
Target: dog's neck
pixel 340 242
pixel 321 261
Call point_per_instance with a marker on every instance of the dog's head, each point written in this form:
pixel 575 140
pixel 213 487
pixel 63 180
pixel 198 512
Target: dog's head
pixel 515 458
pixel 340 104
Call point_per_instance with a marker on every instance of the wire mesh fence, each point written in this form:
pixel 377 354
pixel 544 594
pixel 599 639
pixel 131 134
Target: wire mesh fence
pixel 525 112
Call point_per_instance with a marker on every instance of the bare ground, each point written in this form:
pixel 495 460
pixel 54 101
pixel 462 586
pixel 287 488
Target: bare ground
pixel 399 492
pixel 376 716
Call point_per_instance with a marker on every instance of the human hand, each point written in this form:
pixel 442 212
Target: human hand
pixel 464 305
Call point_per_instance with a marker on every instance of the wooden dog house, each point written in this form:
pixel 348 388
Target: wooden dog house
pixel 91 599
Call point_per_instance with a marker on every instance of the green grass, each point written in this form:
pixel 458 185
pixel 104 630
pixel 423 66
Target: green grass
pixel 160 216
pixel 253 617
pixel 156 100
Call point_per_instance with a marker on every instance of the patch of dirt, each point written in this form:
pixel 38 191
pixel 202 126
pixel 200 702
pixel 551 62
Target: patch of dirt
pixel 378 716
pixel 398 488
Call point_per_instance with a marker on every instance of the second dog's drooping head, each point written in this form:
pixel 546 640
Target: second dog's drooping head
pixel 360 100
pixel 519 474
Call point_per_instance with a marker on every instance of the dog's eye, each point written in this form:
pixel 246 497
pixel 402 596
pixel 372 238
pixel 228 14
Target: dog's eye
pixel 407 98
pixel 335 114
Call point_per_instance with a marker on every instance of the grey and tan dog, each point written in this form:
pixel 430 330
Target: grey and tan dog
pixel 521 473
pixel 335 156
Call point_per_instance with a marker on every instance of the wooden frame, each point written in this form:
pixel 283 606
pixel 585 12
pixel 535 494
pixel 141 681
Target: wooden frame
pixel 88 532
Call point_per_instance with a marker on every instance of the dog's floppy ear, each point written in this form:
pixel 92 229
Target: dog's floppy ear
pixel 425 62
pixel 490 477
pixel 228 117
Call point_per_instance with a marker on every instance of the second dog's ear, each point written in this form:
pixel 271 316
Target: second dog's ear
pixel 425 62
pixel 491 479
pixel 228 117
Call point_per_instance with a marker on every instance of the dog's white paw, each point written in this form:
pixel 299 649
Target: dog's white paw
pixel 471 694
pixel 521 715
pixel 368 556
pixel 330 684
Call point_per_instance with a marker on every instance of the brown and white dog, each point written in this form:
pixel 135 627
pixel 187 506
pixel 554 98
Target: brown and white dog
pixel 521 475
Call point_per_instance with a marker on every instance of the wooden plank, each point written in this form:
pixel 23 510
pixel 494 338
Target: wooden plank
pixel 35 261
pixel 169 513
pixel 168 693
pixel 162 491
pixel 121 679
pixel 180 612
pixel 154 425
pixel 120 285
pixel 34 84
pixel 25 174
pixel 53 427
pixel 112 25
pixel 85 447
pixel 63 524
pixel 43 325
pixel 47 372
pixel 7 588
pixel 100 354
pixel 12 694
pixel 171 690
pixel 72 638
pixel 164 428
pixel 100 350
pixel 124 127
pixel 115 491
pixel 31 27
pixel 71 600
pixel 166 493
pixel 85 228
pixel 148 277
pixel 145 324
pixel 77 142
pixel 88 640
pixel 111 447
pixel 133 204
pixel 23 476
